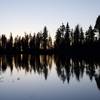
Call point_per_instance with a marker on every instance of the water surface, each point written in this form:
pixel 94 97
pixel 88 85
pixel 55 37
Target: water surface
pixel 27 77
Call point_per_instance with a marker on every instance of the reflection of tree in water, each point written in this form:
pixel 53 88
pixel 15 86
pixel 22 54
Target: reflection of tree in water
pixel 29 63
pixel 66 67
pixel 97 79
pixel 63 67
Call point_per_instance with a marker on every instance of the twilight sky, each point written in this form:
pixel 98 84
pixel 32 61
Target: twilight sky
pixel 19 16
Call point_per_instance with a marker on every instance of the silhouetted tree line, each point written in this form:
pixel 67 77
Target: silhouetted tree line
pixel 66 67
pixel 77 41
pixel 27 44
pixel 71 41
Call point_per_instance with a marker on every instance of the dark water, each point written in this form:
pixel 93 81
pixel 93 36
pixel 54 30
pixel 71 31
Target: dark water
pixel 26 77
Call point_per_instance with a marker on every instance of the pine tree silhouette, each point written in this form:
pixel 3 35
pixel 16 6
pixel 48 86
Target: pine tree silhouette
pixel 45 37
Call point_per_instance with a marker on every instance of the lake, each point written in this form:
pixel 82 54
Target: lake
pixel 27 77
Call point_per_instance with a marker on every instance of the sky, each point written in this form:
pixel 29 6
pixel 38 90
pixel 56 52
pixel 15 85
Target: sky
pixel 19 16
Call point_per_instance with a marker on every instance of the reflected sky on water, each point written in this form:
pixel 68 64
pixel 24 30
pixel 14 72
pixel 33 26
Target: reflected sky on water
pixel 27 77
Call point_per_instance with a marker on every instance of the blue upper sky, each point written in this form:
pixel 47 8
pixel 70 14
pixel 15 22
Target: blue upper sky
pixel 19 16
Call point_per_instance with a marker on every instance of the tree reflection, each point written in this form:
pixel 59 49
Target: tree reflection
pixel 97 79
pixel 66 67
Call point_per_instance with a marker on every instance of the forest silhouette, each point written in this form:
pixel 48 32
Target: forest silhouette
pixel 71 42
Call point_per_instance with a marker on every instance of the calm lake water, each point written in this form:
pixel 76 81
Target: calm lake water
pixel 26 77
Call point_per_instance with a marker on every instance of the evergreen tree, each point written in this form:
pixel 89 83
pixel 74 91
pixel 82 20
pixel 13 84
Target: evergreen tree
pixel 81 36
pixel 57 39
pixel 9 43
pixel 62 30
pixel 76 35
pixel 32 42
pixel 45 37
pixel 67 35
pixel 4 41
pixel 71 37
pixel 97 25
pixel 62 40
pixel 49 42
pixel 90 34
pixel 11 40
pixel 38 40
